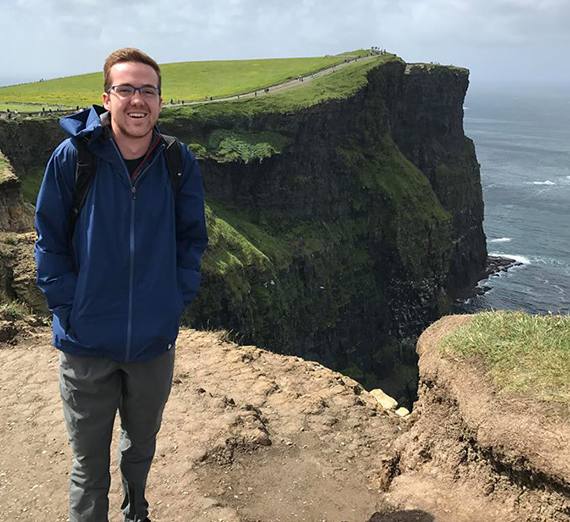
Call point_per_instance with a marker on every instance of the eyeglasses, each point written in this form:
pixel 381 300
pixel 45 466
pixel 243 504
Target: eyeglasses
pixel 128 91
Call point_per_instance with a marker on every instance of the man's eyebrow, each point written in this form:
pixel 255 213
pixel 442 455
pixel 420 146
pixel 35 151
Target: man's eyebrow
pixel 131 85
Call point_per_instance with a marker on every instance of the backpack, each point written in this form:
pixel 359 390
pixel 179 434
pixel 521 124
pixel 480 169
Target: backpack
pixel 86 169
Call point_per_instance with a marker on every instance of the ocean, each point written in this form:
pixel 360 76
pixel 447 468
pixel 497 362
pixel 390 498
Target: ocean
pixel 522 141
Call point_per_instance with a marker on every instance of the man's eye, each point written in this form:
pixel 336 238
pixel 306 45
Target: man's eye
pixel 124 90
pixel 148 91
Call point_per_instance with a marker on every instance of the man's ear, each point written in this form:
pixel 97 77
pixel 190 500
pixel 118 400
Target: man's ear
pixel 106 101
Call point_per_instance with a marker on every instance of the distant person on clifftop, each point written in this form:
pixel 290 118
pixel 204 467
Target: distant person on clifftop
pixel 117 270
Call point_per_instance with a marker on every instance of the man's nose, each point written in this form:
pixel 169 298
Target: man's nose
pixel 137 98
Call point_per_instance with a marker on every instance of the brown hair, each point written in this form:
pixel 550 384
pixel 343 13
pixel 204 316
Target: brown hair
pixel 127 54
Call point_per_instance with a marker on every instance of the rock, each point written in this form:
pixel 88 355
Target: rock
pixel 387 402
pixel 402 412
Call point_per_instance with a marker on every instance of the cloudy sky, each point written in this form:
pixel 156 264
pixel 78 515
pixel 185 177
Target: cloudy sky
pixel 500 41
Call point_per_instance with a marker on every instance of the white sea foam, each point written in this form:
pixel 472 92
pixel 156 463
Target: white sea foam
pixel 547 182
pixel 501 240
pixel 521 259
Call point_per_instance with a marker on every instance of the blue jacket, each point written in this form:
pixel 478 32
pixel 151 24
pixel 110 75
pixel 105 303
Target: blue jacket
pixel 119 287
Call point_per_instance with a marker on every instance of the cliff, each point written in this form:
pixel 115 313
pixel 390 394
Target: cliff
pixel 488 453
pixel 338 229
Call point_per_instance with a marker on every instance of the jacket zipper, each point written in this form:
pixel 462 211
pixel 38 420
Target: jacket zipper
pixel 133 184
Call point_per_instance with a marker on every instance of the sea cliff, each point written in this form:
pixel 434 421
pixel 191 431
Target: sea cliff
pixel 338 231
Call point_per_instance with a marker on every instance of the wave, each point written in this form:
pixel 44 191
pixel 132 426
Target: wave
pixel 547 182
pixel 500 240
pixel 520 259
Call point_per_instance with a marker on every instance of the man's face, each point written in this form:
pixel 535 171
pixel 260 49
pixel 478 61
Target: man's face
pixel 135 116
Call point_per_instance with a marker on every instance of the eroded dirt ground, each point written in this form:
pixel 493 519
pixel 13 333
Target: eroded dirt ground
pixel 248 436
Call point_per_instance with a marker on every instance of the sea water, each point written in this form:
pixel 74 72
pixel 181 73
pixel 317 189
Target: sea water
pixel 522 141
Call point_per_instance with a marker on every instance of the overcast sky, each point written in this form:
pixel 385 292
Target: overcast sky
pixel 522 41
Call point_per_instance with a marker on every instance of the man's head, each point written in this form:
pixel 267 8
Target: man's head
pixel 128 54
pixel 132 93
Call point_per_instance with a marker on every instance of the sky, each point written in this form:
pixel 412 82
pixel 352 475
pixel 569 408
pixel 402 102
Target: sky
pixel 525 42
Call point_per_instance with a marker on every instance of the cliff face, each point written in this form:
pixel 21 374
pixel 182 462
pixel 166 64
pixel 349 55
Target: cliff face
pixel 427 125
pixel 28 144
pixel 351 236
pixel 342 238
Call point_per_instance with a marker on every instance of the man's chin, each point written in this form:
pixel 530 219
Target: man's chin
pixel 137 133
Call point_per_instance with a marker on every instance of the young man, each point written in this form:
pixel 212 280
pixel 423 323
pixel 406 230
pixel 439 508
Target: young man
pixel 117 279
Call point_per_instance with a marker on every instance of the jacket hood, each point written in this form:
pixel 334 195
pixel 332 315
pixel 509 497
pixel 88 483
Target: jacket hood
pixel 89 121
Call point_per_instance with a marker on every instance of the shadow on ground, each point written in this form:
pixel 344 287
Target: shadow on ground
pixel 403 516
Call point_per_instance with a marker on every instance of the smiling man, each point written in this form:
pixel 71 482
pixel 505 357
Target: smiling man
pixel 121 232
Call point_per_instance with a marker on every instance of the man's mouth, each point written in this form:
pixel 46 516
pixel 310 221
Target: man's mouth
pixel 136 115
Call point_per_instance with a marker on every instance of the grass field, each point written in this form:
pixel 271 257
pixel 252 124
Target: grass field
pixel 524 353
pixel 339 84
pixel 188 81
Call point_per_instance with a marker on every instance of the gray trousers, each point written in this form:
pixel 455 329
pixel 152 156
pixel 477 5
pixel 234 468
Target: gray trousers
pixel 92 390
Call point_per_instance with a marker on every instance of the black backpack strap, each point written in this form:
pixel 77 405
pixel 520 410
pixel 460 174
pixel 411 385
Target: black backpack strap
pixel 173 161
pixel 85 171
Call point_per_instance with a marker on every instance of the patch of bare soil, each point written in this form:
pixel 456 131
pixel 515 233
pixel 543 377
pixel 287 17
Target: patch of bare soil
pixel 480 454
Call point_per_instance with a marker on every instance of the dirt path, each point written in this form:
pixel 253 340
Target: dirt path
pixel 247 435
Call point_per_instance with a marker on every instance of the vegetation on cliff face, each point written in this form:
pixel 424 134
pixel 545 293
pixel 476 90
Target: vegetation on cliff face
pixel 387 176
pixel 240 145
pixel 524 353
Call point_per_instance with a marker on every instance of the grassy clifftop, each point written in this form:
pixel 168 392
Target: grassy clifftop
pixel 337 85
pixel 523 353
pixel 188 81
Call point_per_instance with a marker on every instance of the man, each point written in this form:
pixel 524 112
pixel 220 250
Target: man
pixel 117 280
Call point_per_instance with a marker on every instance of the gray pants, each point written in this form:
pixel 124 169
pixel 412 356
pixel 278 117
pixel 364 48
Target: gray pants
pixel 92 389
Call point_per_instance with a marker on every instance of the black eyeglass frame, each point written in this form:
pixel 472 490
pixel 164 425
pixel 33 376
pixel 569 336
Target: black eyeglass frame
pixel 135 89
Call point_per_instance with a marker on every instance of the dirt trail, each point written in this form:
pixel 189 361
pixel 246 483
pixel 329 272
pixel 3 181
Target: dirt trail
pixel 247 435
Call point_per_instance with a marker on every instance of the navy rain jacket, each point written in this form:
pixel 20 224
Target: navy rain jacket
pixel 118 289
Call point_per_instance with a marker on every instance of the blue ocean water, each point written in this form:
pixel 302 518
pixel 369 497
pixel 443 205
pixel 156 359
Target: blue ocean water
pixel 522 141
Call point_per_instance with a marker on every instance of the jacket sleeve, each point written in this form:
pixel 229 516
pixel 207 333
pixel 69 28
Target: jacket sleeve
pixel 56 275
pixel 191 235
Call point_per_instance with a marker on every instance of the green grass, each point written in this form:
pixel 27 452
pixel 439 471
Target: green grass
pixel 231 145
pixel 358 52
pixel 14 310
pixel 31 183
pixel 528 354
pixel 188 81
pixel 337 85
